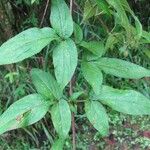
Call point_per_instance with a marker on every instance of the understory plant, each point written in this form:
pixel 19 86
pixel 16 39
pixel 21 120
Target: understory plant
pixel 74 57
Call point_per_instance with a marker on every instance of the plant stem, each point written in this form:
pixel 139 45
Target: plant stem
pixel 71 5
pixel 70 93
pixel 73 133
pixel 73 121
pixel 45 10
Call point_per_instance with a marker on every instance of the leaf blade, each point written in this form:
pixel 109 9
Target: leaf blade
pixel 103 5
pixel 58 144
pixel 24 112
pixel 78 33
pixel 45 84
pixel 146 35
pixel 61 117
pixel 125 101
pixel 93 75
pixel 121 68
pixel 95 47
pixel 65 61
pixel 61 19
pixel 89 10
pixel 25 44
pixel 123 19
pixel 97 116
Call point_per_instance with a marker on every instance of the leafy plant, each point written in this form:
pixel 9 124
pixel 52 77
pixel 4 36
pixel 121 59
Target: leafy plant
pixel 52 94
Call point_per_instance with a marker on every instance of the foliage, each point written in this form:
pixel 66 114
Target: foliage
pixel 73 55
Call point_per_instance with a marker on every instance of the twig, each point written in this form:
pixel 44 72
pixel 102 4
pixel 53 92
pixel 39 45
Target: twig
pixel 45 10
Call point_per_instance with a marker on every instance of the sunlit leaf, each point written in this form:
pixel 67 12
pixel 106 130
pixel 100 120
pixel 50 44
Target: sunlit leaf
pixel 121 68
pixel 95 47
pixel 78 34
pixel 65 61
pixel 125 101
pixel 25 44
pixel 61 117
pixel 93 75
pixel 58 144
pixel 46 84
pixel 24 112
pixel 89 10
pixel 61 19
pixel 97 116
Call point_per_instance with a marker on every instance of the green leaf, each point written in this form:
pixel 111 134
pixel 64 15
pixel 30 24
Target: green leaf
pixel 112 40
pixel 103 5
pixel 93 75
pixel 89 10
pixel 61 19
pixel 11 76
pixel 121 68
pixel 24 112
pixel 97 116
pixel 147 53
pixel 146 35
pixel 46 84
pixel 32 1
pixel 127 7
pixel 25 44
pixel 58 144
pixel 76 95
pixel 78 34
pixel 123 19
pixel 139 28
pixel 125 101
pixel 97 48
pixel 65 61
pixel 138 25
pixel 88 56
pixel 61 117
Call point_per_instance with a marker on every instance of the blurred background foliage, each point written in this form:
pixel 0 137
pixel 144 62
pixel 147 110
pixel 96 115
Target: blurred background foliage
pixel 120 29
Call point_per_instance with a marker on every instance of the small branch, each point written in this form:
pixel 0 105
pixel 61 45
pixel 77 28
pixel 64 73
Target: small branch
pixel 45 10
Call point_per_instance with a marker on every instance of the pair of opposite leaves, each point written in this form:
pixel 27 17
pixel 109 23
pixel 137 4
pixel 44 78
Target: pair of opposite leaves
pixel 32 41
